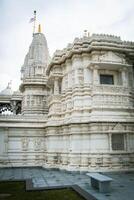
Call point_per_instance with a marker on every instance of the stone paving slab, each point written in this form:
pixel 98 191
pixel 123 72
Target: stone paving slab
pixel 122 185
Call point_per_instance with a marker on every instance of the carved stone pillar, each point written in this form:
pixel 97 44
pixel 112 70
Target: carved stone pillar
pixel 69 80
pixel 76 77
pixel 56 86
pixel 124 78
pixel 110 142
pixel 87 70
pixel 88 76
pixel 13 105
pixel 76 63
pixel 6 141
pixel 95 76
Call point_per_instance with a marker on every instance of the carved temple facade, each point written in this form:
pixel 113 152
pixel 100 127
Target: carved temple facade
pixel 74 111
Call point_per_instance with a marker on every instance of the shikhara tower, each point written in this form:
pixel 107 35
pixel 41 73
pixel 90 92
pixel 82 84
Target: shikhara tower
pixel 75 111
pixel 34 80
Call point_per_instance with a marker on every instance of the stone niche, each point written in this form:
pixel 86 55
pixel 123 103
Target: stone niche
pixel 2 145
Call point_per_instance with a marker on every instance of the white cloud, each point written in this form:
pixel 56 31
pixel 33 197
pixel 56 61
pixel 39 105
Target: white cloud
pixel 61 21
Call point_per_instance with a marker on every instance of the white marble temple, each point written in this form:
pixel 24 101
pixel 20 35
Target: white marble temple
pixel 75 111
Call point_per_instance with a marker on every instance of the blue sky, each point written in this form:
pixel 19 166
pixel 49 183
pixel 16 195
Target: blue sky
pixel 62 21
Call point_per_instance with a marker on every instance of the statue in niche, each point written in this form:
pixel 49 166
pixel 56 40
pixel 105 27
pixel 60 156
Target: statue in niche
pixel 37 144
pixel 81 79
pixel 25 143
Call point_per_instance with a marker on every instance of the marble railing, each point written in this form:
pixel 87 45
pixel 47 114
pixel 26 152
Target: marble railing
pixel 98 89
pixel 110 89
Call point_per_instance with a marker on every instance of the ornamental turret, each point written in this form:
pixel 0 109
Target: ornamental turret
pixel 33 76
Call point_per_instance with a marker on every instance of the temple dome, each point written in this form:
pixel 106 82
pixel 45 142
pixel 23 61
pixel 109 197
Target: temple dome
pixel 7 91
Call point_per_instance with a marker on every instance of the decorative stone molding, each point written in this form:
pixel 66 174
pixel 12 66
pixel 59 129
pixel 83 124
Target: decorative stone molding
pixel 119 127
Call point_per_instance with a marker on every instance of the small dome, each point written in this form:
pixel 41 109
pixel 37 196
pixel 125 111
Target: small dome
pixel 6 92
pixel 17 92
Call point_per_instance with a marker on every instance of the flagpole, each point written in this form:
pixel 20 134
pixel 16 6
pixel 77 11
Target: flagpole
pixel 34 22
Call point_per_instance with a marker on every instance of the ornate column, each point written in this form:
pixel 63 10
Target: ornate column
pixel 76 76
pixel 69 80
pixel 86 76
pixel 69 73
pixel 87 71
pixel 56 86
pixel 124 78
pixel 95 75
pixel 13 105
pixel 110 142
pixel 5 150
pixel 76 64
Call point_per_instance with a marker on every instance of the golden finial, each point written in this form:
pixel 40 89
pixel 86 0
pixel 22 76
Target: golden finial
pixel 39 28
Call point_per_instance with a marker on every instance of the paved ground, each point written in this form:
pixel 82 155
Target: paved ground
pixel 122 186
